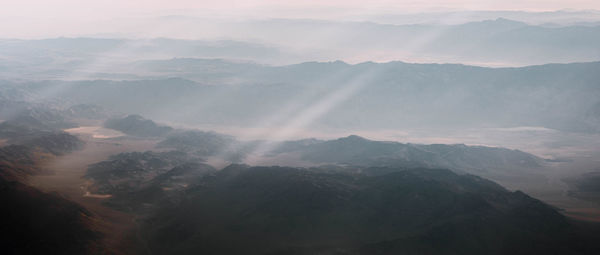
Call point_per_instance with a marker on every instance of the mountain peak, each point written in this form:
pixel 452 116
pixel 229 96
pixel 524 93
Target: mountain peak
pixel 499 23
pixel 354 138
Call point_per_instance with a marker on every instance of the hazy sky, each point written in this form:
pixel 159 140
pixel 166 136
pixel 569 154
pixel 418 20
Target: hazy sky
pixel 73 7
pixel 40 18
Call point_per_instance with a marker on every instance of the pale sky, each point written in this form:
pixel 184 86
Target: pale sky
pixel 69 7
pixel 39 18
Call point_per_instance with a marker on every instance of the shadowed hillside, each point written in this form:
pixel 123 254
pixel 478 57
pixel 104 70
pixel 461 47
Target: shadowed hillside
pixel 278 210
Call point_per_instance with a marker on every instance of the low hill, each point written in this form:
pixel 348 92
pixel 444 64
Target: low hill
pixel 137 125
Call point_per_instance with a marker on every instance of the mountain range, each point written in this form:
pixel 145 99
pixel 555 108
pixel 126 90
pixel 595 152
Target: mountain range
pixel 277 210
pixel 393 95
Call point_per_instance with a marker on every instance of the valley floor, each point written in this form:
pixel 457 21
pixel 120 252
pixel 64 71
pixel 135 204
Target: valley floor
pixel 65 176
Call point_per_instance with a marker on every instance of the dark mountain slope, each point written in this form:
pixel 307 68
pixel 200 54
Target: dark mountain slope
pixel 278 210
pixel 33 222
pixel 164 190
pixel 16 162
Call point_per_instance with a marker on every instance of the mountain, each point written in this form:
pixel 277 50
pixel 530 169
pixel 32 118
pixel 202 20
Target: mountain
pixel 368 96
pixel 127 171
pixel 33 222
pixel 490 40
pixel 558 18
pixel 182 175
pixel 17 162
pixel 38 135
pixel 33 116
pixel 585 186
pixel 86 111
pixel 496 163
pixel 275 210
pixel 56 143
pixel 205 144
pixel 73 58
pixel 167 188
pixel 140 181
pixel 21 156
pixel 137 125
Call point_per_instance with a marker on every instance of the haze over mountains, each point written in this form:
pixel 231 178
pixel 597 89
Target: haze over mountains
pixel 495 41
pixel 391 95
pixel 300 131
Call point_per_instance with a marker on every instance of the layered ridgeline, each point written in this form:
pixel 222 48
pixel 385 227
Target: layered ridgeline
pixel 513 168
pixel 510 167
pixel 282 210
pixel 363 96
pixel 495 41
pixel 499 164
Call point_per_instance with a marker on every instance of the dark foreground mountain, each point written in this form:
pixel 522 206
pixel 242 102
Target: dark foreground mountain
pixel 281 210
pixel 34 222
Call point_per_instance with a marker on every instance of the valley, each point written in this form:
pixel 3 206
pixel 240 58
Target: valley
pixel 65 177
pixel 64 174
